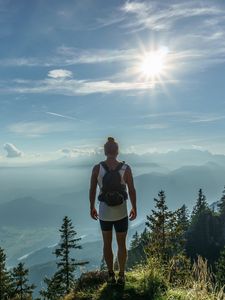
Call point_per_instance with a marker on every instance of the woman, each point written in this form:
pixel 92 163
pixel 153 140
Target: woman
pixel 116 215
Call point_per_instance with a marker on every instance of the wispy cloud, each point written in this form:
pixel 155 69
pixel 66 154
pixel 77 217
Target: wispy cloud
pixel 207 118
pixel 152 126
pixel 185 116
pixel 37 128
pixel 79 151
pixel 72 87
pixel 156 15
pixel 68 56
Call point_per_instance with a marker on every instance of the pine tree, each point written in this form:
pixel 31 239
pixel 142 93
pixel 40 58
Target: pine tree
pixel 103 266
pixel 135 240
pixel 220 268
pixel 201 204
pixel 221 204
pixel 21 288
pixel 202 235
pixel 144 238
pixel 179 226
pixel 63 280
pixel 54 288
pixel 221 220
pixel 159 225
pixel 5 280
pixel 137 254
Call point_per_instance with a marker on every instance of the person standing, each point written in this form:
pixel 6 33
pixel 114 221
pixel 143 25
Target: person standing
pixel 113 177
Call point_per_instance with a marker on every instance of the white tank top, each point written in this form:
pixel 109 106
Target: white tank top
pixel 111 213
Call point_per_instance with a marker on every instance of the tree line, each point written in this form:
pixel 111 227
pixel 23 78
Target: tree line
pixel 180 237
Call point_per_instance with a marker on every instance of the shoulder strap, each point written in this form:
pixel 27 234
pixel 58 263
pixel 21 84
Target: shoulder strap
pixel 104 166
pixel 120 165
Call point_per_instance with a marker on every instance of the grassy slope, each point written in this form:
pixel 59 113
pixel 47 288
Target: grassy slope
pixel 141 284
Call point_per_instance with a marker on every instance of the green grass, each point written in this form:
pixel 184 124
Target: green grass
pixel 147 282
pixel 140 284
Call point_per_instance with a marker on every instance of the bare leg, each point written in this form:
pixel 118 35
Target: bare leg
pixel 122 250
pixel 107 249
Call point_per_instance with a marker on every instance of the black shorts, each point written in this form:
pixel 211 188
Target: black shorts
pixel 119 225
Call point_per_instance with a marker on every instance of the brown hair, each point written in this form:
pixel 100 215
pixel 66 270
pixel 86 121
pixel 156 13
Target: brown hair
pixel 111 146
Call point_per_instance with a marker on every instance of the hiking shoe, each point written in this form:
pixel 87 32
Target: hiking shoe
pixel 121 279
pixel 111 278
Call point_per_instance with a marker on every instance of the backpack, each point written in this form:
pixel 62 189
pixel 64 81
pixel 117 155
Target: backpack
pixel 113 192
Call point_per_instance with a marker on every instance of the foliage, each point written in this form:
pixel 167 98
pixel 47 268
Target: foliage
pixel 63 280
pixel 158 222
pixel 178 270
pixel 203 236
pixel 20 286
pixel 221 204
pixel 5 280
pixel 220 269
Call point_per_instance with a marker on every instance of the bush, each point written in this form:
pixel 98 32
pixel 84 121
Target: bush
pixel 91 279
pixel 153 283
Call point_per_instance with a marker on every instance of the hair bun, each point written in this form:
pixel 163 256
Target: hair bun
pixel 111 139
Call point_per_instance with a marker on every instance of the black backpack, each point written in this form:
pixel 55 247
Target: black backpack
pixel 113 192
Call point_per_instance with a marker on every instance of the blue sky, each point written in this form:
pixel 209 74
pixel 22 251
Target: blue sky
pixel 70 76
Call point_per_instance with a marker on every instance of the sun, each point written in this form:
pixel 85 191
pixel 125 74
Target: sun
pixel 152 64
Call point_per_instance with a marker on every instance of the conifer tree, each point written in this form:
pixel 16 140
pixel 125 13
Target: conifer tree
pixel 137 252
pixel 221 205
pixel 179 224
pixel 54 288
pixel 21 288
pixel 63 280
pixel 5 280
pixel 201 204
pixel 67 265
pixel 159 225
pixel 144 238
pixel 220 269
pixel 135 240
pixel 103 266
pixel 202 236
pixel 221 220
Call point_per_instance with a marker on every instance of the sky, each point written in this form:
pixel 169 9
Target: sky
pixel 72 73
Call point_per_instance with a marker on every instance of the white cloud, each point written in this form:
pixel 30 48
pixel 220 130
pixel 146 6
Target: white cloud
pixel 60 74
pixel 68 56
pixel 157 16
pixel 72 87
pixel 38 128
pixel 12 150
pixel 152 126
pixel 207 118
pixel 81 151
pixel 185 116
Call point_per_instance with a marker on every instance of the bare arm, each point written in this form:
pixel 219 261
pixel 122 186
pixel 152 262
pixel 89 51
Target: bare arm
pixel 132 192
pixel 92 192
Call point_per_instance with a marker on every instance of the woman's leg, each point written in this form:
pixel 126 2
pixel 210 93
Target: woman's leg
pixel 122 250
pixel 107 249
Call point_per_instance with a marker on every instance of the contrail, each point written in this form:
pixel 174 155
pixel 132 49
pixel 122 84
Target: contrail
pixel 59 115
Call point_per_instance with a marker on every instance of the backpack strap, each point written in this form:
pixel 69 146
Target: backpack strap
pixel 104 166
pixel 120 165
